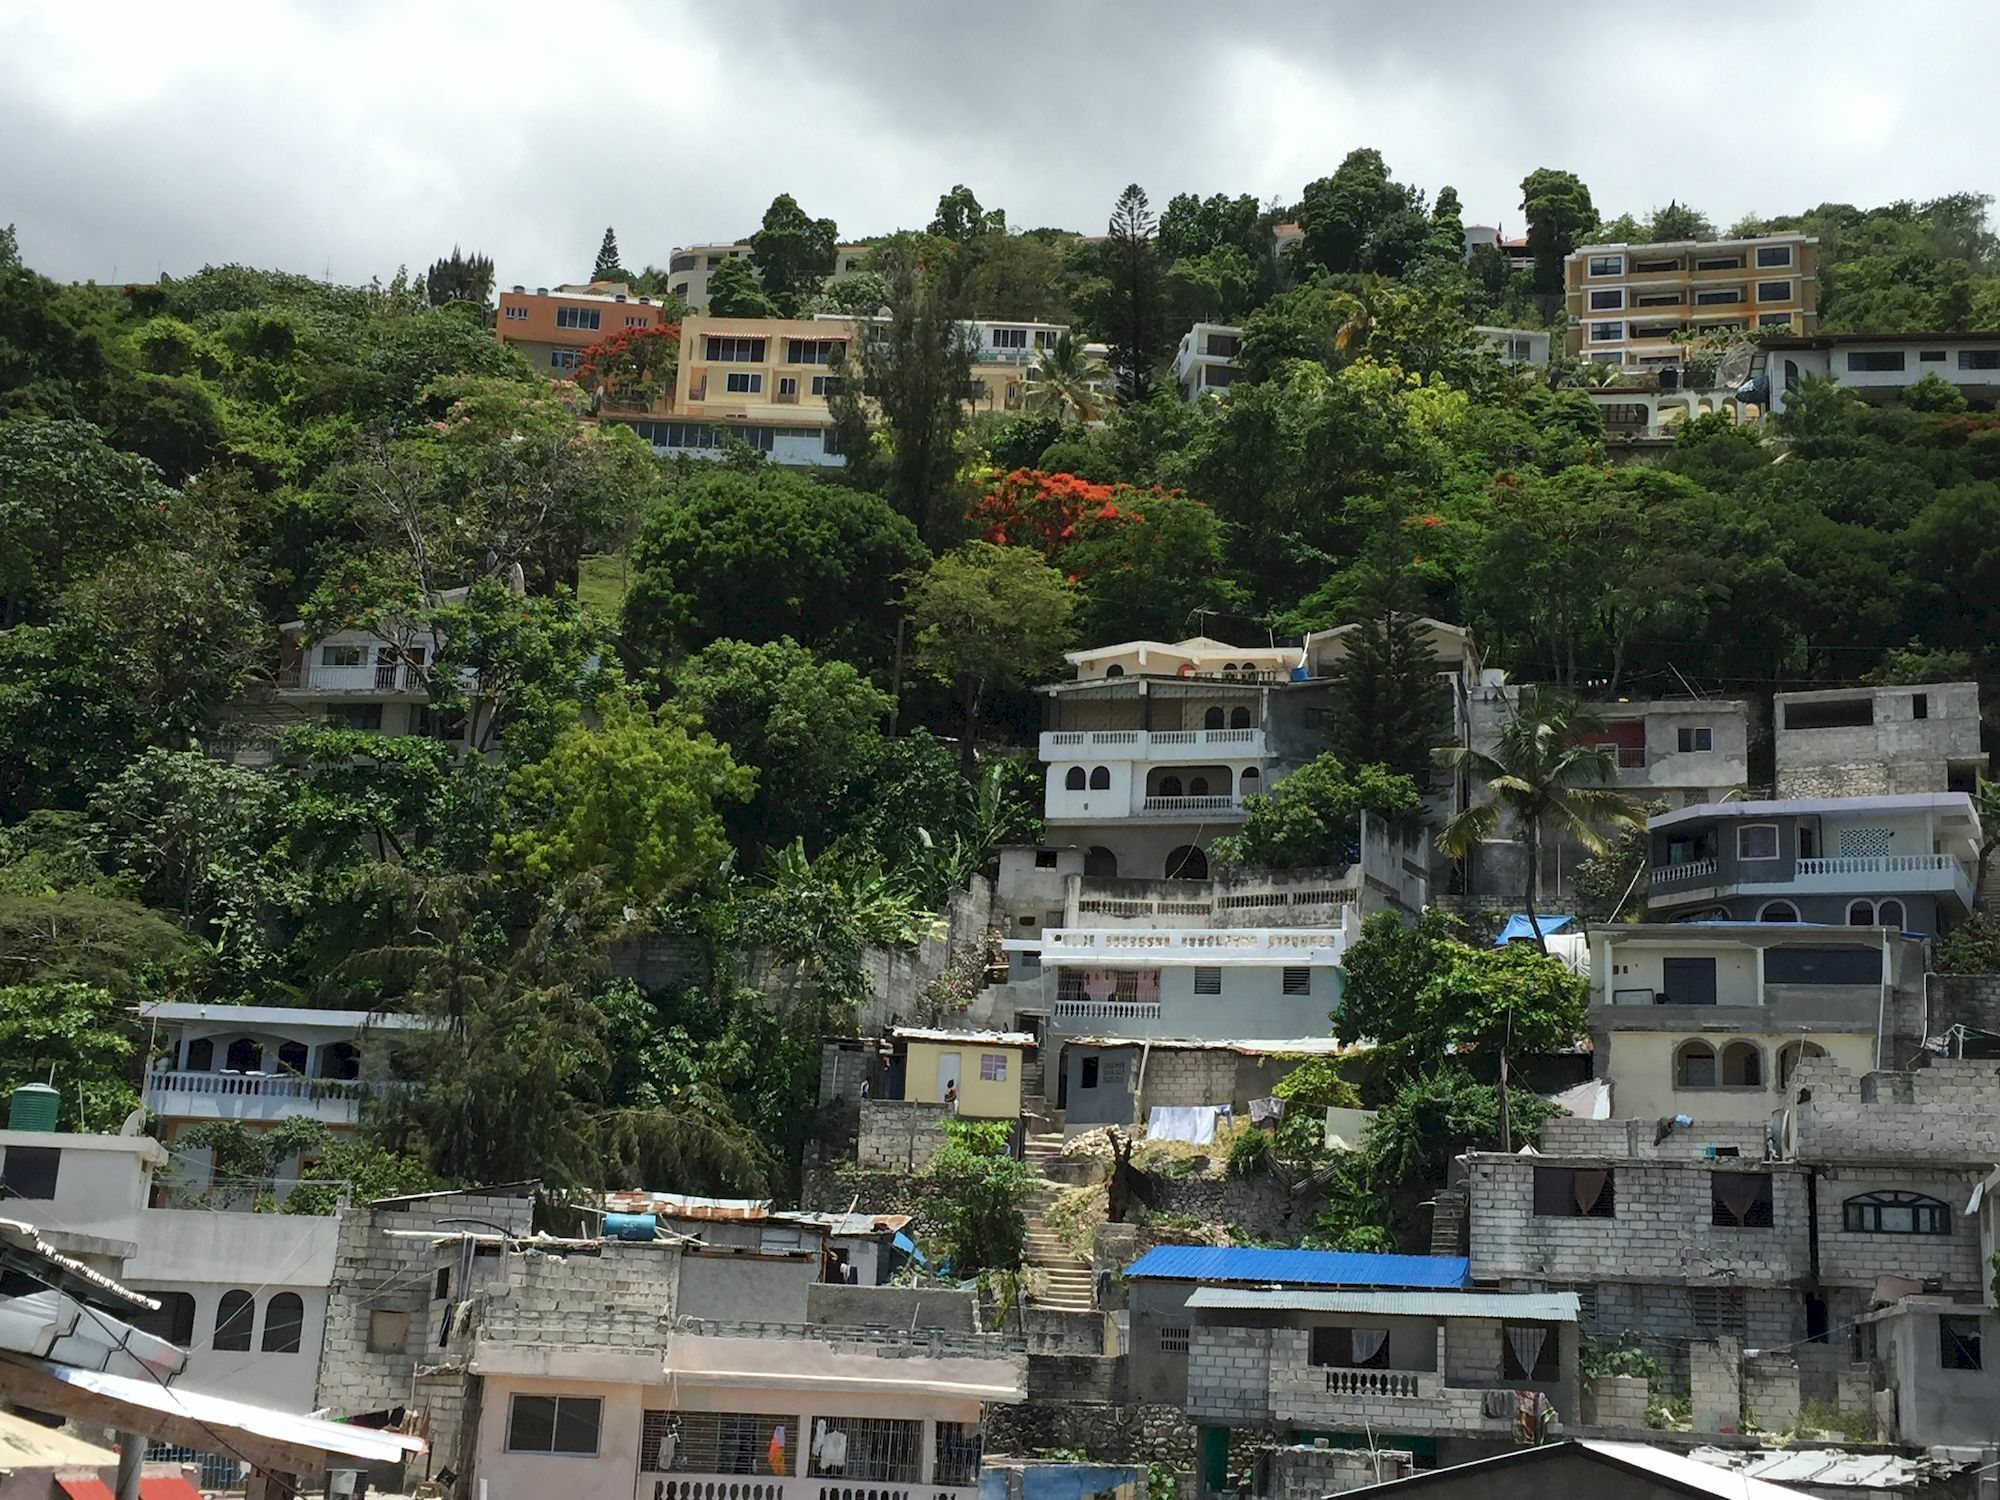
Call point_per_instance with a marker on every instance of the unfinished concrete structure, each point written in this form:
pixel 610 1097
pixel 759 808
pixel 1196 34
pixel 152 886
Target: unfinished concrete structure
pixel 1877 742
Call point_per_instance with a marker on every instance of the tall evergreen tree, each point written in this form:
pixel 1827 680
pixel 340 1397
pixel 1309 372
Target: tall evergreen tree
pixel 793 253
pixel 1387 708
pixel 608 267
pixel 459 278
pixel 1559 212
pixel 1447 236
pixel 1138 306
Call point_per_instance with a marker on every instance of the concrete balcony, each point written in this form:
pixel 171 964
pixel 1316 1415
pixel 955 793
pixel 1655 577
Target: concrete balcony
pixel 1860 875
pixel 381 680
pixel 253 1096
pixel 1181 807
pixel 1105 1010
pixel 1689 872
pixel 1168 745
pixel 681 1484
pixel 1092 947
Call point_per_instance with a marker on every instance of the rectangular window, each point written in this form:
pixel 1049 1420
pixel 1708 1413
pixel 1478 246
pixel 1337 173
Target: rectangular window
pixel 1718 1310
pixel 1920 705
pixel 745 382
pixel 787 385
pixel 1607 299
pixel 388 1331
pixel 1771 256
pixel 1958 1343
pixel 1930 356
pixel 992 1067
pixel 1721 297
pixel 1720 263
pixel 712 1442
pixel 554 1424
pixel 1208 981
pixel 1575 1193
pixel 1856 966
pixel 363 717
pixel 823 385
pixel 1607 265
pixel 517 314
pixel 723 349
pixel 1009 338
pixel 831 443
pixel 635 320
pixel 31 1172
pixel 1739 1200
pixel 562 359
pixel 340 656
pixel 1531 1351
pixel 958 1447
pixel 1606 333
pixel 1687 981
pixel 814 351
pixel 1893 1212
pixel 1349 1348
pixel 1978 359
pixel 1774 291
pixel 1087 1072
pixel 1695 739
pixel 578 317
pixel 1298 981
pixel 1774 320
pixel 1657 299
pixel 1045 859
pixel 1835 713
pixel 1885 361
pixel 1757 841
pixel 1173 1341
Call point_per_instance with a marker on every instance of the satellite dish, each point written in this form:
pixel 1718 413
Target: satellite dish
pixel 135 1123
pixel 1734 367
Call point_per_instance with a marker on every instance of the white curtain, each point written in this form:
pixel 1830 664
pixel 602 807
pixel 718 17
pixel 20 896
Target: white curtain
pixel 1526 1340
pixel 1368 1343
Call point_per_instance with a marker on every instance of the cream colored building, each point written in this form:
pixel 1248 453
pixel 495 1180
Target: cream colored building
pixel 1629 305
pixel 691 266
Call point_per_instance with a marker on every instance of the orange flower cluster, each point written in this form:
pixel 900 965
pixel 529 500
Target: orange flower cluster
pixel 1053 512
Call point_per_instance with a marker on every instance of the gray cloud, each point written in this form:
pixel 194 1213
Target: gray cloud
pixel 353 137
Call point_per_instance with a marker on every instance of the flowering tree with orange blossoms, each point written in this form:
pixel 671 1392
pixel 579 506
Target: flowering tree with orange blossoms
pixel 633 363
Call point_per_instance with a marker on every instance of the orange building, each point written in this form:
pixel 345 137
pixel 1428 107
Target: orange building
pixel 553 328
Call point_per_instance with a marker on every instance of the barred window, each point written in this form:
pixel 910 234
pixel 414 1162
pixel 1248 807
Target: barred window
pixel 718 1442
pixel 883 1449
pixel 1895 1213
pixel 1208 981
pixel 1174 1340
pixel 958 1449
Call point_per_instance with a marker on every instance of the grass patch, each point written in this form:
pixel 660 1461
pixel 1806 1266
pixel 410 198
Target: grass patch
pixel 601 583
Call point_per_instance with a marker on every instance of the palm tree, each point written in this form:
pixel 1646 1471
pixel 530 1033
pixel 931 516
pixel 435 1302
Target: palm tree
pixel 1065 379
pixel 1541 776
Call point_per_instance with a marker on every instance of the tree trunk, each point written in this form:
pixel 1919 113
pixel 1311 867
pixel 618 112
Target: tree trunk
pixel 967 759
pixel 1534 879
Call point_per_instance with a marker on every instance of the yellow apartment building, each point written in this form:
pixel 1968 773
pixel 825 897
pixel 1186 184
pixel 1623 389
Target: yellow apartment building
pixel 1630 305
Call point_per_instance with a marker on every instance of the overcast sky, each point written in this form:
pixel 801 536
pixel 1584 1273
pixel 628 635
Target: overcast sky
pixel 352 136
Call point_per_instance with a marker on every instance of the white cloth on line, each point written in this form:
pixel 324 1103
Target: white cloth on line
pixel 1193 1123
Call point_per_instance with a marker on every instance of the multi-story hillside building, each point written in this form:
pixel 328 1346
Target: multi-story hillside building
pixel 1206 359
pixel 1871 742
pixel 1631 305
pixel 1879 368
pixel 691 266
pixel 1712 1019
pixel 553 329
pixel 1903 862
pixel 1153 748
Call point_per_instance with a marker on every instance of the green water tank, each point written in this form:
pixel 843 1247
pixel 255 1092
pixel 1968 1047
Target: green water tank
pixel 33 1107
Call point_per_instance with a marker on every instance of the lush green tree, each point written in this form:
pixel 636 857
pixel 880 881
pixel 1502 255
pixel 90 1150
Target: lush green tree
pixel 1676 222
pixel 80 1038
pixel 1544 779
pixel 1067 382
pixel 608 266
pixel 55 355
pixel 987 617
pixel 1312 818
pixel 793 253
pixel 1153 577
pixel 959 217
pixel 1446 241
pixel 900 404
pixel 1359 219
pixel 98 939
pixel 1193 227
pixel 808 727
pixel 862 294
pixel 1559 213
pixel 1212 288
pixel 1389 708
pixel 459 277
pixel 764 554
pixel 1026 276
pixel 977 1192
pixel 1136 311
pixel 1916 664
pixel 735 292
pixel 632 799
pixel 68 502
pixel 1443 1114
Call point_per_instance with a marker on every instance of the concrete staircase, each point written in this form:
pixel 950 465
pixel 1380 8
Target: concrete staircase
pixel 1065 1277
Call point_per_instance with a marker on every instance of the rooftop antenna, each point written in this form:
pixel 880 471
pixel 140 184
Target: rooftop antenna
pixel 1693 691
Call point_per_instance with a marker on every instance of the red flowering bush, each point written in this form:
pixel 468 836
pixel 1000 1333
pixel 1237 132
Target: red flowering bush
pixel 1058 514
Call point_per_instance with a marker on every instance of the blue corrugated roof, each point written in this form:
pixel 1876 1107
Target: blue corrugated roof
pixel 1301 1267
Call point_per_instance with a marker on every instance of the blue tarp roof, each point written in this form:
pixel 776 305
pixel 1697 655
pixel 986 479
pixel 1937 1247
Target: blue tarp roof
pixel 1301 1267
pixel 1519 927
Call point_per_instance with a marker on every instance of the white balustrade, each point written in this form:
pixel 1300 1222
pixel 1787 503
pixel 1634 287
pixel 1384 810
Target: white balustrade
pixel 1192 944
pixel 1875 864
pixel 1692 869
pixel 1373 1383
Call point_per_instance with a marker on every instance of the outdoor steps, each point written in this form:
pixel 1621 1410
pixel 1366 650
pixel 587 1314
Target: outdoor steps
pixel 1039 1148
pixel 1065 1278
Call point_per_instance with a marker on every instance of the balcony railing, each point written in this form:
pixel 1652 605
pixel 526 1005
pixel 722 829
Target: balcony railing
pixel 679 1485
pixel 1876 864
pixel 254 1096
pixel 253 1085
pixel 1373 1383
pixel 1137 744
pixel 1106 1010
pixel 1194 944
pixel 1177 805
pixel 1693 869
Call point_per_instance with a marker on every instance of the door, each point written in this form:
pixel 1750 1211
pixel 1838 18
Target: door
pixel 948 1075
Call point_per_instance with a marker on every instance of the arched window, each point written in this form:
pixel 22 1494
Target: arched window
pixel 284 1322
pixel 1778 911
pixel 1212 719
pixel 1170 786
pixel 235 1317
pixel 1890 914
pixel 1187 863
pixel 1250 781
pixel 1100 778
pixel 246 1055
pixel 1099 863
pixel 1861 914
pixel 1239 718
pixel 292 1057
pixel 1197 786
pixel 174 1322
pixel 1694 1066
pixel 1073 782
pixel 201 1055
pixel 1742 1066
pixel 1114 670
pixel 1895 1213
pixel 1791 1055
pixel 340 1060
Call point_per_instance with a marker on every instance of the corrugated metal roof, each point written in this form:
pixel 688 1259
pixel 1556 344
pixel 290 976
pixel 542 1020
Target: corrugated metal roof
pixel 1541 1307
pixel 1305 1046
pixel 1300 1267
pixel 939 1034
pixel 1684 1473
pixel 1824 1467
